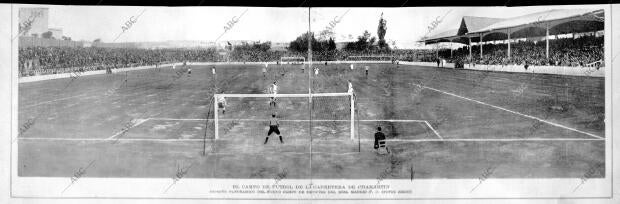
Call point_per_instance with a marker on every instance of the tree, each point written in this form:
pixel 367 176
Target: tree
pixel 331 44
pixel 98 40
pixel 364 42
pixel 300 44
pixel 47 34
pixel 381 30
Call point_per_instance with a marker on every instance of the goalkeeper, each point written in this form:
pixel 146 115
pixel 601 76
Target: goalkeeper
pixel 380 142
pixel 221 104
pixel 273 128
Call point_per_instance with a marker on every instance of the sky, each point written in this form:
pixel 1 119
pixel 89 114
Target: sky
pixel 404 25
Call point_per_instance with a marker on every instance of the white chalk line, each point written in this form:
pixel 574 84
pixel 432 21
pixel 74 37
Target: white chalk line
pixel 431 127
pixel 139 121
pixel 318 120
pixel 514 112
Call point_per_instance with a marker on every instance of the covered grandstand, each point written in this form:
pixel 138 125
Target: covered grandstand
pixel 478 33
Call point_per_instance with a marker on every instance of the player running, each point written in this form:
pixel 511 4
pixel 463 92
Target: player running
pixel 273 89
pixel 316 71
pixel 213 69
pixel 265 71
pixel 221 104
pixel 273 127
pixel 366 68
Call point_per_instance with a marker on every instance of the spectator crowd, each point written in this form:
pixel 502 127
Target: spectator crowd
pixel 562 52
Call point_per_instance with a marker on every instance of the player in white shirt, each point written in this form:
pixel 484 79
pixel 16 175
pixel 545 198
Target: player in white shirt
pixel 366 67
pixel 213 70
pixel 352 67
pixel 350 87
pixel 221 104
pixel 316 71
pixel 273 89
pixel 174 66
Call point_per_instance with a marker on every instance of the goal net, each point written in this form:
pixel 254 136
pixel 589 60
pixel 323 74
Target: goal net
pixel 292 60
pixel 370 58
pixel 329 115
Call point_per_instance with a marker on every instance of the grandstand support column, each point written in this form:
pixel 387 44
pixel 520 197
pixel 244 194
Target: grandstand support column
pixel 508 43
pixel 480 45
pixel 547 41
pixel 451 48
pixel 469 48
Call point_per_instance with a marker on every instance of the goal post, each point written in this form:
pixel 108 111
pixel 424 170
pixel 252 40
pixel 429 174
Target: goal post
pixel 291 108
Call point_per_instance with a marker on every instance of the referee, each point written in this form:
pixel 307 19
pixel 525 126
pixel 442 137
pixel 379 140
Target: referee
pixel 273 127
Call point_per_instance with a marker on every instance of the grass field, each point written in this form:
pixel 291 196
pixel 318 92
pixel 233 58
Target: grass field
pixel 440 123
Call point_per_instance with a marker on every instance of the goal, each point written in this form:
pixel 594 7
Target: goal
pixel 293 60
pixel 248 115
pixel 370 58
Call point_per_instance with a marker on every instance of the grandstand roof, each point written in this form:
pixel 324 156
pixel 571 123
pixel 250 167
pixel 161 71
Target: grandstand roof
pixel 472 23
pixel 559 21
pixel 540 17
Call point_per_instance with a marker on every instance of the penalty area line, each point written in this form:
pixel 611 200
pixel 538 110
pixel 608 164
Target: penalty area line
pixel 139 122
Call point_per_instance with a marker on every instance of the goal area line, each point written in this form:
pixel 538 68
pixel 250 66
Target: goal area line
pixel 305 120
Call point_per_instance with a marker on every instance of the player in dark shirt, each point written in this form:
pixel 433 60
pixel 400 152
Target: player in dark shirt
pixel 380 140
pixel 273 128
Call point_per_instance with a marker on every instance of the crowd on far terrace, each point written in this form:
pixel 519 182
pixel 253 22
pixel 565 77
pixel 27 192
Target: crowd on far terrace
pixel 563 52
pixel 580 52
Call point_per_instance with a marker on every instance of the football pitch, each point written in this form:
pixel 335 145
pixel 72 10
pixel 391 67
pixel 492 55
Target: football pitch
pixel 439 123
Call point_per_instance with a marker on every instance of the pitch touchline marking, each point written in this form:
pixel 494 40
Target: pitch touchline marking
pixel 514 112
pixel 365 140
pixel 60 99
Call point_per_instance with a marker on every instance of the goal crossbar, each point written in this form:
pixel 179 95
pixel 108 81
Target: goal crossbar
pixel 311 95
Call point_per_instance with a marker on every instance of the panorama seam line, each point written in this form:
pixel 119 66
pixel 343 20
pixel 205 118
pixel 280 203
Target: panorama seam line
pixel 514 112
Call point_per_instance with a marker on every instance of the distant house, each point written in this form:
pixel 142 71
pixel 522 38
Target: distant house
pixel 279 46
pixel 56 33
pixel 341 45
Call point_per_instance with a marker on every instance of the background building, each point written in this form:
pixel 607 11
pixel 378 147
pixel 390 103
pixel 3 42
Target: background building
pixel 33 21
